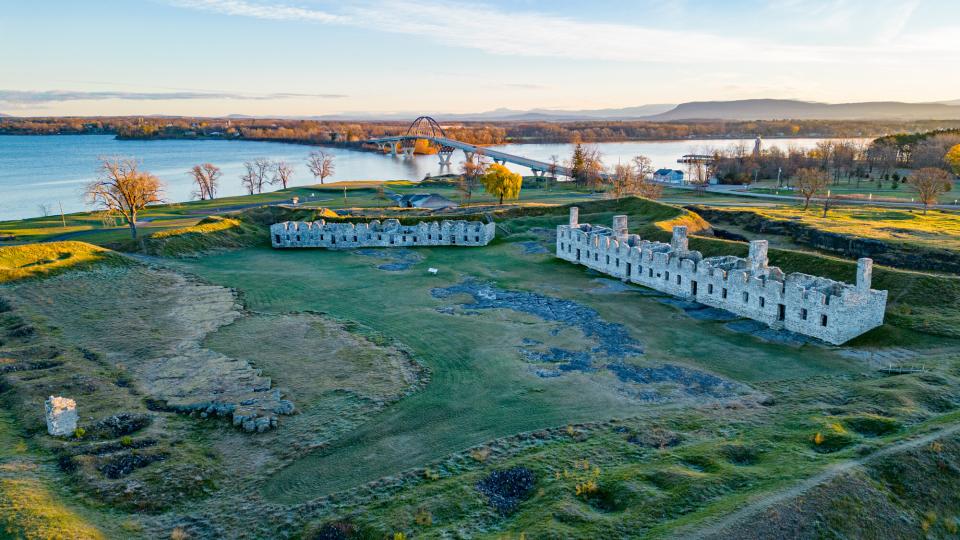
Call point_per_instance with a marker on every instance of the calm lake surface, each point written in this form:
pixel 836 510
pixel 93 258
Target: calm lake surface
pixel 51 170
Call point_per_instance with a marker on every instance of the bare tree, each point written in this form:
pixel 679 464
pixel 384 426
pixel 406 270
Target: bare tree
pixel 122 189
pixel 256 175
pixel 643 166
pixel 45 209
pixel 622 182
pixel 808 181
pixel 471 170
pixel 249 178
pixel 206 176
pixel 320 164
pixel 282 173
pixel 698 175
pixel 929 183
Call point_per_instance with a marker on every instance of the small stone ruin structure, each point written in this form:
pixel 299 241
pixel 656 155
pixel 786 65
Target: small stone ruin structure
pixel 61 416
pixel 829 310
pixel 389 233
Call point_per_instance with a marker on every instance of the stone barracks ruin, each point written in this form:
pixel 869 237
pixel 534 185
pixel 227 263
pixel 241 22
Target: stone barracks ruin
pixel 829 310
pixel 390 233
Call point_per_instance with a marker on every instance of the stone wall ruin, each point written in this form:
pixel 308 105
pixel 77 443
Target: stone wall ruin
pixel 389 233
pixel 829 310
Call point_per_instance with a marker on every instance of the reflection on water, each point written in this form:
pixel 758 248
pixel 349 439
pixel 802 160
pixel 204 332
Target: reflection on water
pixel 38 170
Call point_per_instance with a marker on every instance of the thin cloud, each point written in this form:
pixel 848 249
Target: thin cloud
pixel 525 33
pixel 273 11
pixel 24 97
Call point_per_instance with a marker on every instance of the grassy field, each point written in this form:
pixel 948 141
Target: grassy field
pixel 17 262
pixel 865 190
pixel 482 389
pixel 97 229
pixel 935 229
pixel 407 398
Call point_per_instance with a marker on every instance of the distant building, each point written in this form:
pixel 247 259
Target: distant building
pixel 669 176
pixel 428 201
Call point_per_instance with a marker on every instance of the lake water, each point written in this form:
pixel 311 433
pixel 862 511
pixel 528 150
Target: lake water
pixel 52 170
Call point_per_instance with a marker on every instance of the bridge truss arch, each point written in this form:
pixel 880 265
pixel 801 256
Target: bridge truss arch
pixel 428 129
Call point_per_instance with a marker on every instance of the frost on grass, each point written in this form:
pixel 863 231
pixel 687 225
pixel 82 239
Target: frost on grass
pixel 611 348
pixel 150 323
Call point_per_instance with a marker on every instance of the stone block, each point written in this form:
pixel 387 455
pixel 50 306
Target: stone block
pixel 61 416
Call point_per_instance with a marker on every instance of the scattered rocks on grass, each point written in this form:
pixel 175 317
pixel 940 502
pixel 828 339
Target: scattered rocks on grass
pixel 612 339
pixel 764 332
pixel 120 465
pixel 532 247
pixel 506 489
pixel 614 345
pixel 400 259
pixel 119 425
pixel 694 382
pixel 613 286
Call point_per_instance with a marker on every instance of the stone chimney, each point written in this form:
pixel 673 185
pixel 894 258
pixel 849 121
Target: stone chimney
pixel 679 240
pixel 758 256
pixel 574 217
pixel 61 416
pixel 620 226
pixel 864 274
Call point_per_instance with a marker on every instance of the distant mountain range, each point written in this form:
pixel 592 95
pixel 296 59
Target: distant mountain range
pixel 748 109
pixel 743 110
pixel 782 109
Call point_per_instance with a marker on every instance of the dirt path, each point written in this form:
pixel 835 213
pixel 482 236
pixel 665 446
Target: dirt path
pixel 725 527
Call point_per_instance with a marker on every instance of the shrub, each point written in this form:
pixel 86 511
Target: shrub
pixel 832 439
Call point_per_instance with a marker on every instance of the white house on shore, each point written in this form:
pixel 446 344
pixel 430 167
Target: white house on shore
pixel 668 176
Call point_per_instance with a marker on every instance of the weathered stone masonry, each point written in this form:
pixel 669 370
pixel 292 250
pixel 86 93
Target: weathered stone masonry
pixel 815 306
pixel 390 233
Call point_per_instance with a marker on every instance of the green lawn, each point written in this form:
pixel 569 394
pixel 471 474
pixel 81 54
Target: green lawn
pixel 480 388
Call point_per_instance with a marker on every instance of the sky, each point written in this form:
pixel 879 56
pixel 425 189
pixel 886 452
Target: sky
pixel 316 57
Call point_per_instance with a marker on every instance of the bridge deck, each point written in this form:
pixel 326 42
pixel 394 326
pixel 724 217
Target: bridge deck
pixel 493 154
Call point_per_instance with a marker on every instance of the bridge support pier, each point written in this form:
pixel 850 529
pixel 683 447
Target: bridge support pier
pixel 445 155
pixel 500 161
pixel 408 151
pixel 469 155
pixel 537 172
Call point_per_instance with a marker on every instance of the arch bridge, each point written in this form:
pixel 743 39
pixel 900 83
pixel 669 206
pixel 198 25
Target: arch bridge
pixel 427 129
